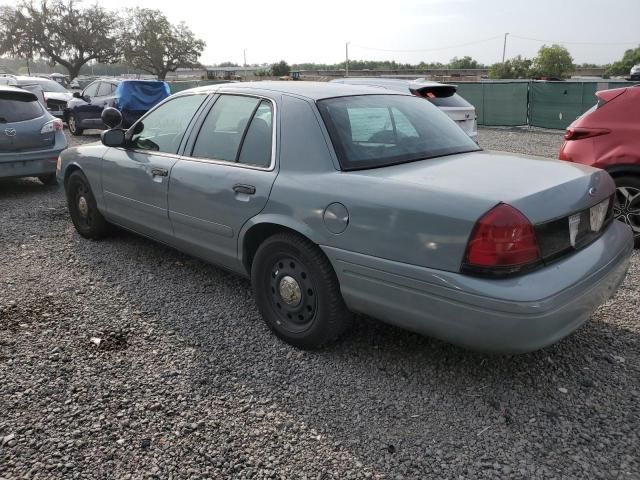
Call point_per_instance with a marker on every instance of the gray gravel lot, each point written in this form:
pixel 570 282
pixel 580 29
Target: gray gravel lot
pixel 187 382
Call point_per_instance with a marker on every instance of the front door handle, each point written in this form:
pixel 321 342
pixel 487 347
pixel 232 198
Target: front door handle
pixel 159 172
pixel 247 189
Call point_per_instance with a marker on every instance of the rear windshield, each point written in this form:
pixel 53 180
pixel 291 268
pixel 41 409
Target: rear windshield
pixel 18 107
pixel 371 131
pixel 454 100
pixel 49 85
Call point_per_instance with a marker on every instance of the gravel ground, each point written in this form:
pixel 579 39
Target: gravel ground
pixel 187 382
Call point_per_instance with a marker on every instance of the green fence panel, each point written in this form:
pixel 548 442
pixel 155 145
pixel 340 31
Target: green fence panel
pixel 473 93
pixel 499 103
pixel 505 104
pixel 555 104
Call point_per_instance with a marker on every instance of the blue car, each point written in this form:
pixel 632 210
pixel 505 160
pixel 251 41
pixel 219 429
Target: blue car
pixel 30 137
pixel 132 97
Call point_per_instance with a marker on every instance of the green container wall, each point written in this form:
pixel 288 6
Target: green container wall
pixel 497 103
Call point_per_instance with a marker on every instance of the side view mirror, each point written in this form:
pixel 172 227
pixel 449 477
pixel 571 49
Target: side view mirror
pixel 77 95
pixel 111 117
pixel 113 138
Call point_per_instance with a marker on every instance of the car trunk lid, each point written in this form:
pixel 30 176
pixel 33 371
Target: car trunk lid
pixel 542 189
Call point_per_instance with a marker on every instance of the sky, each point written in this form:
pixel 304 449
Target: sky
pixel 410 31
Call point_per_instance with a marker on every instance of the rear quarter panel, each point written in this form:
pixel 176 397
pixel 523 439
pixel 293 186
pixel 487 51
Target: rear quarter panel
pixel 87 158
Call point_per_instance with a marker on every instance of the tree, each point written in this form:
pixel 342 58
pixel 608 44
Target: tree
pixel 280 69
pixel 151 43
pixel 516 67
pixel 553 62
pixel 59 31
pixel 623 67
pixel 227 64
pixel 463 63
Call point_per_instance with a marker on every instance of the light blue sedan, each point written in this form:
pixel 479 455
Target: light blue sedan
pixel 336 199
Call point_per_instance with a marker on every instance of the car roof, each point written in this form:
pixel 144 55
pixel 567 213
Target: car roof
pixel 21 91
pixel 310 90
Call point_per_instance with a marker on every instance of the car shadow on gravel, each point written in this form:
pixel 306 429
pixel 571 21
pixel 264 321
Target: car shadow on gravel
pixel 20 187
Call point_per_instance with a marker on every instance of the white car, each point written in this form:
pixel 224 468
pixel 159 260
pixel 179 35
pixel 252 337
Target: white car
pixel 56 96
pixel 441 95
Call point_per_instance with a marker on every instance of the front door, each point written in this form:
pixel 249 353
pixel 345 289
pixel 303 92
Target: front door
pixel 135 178
pixel 226 179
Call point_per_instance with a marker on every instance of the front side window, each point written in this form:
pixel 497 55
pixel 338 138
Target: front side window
pixel 371 131
pixel 237 129
pixel 91 90
pixel 163 129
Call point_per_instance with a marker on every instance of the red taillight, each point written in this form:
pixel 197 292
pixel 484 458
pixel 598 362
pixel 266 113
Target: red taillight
pixel 578 133
pixel 503 242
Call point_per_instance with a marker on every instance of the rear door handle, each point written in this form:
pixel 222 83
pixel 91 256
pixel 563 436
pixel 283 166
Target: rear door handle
pixel 159 172
pixel 246 189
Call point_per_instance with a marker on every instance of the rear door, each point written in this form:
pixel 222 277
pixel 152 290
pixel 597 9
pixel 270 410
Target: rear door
pixel 21 120
pixel 135 179
pixel 227 177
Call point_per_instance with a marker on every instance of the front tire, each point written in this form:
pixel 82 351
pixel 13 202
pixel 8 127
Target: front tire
pixel 83 208
pixel 297 292
pixel 48 180
pixel 627 209
pixel 74 128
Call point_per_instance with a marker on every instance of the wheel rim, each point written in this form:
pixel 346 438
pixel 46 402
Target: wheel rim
pixel 81 198
pixel 72 123
pixel 627 208
pixel 292 294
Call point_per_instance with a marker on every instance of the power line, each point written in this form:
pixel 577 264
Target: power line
pixel 429 49
pixel 574 43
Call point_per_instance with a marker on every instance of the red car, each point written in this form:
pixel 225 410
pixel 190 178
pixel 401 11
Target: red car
pixel 608 136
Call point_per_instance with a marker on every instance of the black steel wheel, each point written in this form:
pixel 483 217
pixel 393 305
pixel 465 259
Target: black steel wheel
pixel 627 207
pixel 297 291
pixel 83 208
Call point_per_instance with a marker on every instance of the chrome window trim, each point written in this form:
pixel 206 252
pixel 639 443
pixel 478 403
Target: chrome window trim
pixel 272 163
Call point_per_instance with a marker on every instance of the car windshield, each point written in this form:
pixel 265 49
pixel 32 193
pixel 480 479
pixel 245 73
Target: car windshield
pixel 371 131
pixel 49 85
pixel 454 100
pixel 16 107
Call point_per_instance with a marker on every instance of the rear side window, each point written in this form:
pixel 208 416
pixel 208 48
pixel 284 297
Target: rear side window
pixel 105 89
pixel 237 129
pixel 18 108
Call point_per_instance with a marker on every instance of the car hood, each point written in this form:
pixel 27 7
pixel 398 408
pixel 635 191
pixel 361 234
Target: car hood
pixel 541 188
pixel 58 96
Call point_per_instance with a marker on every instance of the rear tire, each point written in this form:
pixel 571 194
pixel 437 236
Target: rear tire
pixel 297 292
pixel 74 128
pixel 83 208
pixel 627 209
pixel 48 180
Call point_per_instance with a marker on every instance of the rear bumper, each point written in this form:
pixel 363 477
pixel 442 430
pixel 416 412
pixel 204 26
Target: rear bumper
pixel 32 163
pixel 507 316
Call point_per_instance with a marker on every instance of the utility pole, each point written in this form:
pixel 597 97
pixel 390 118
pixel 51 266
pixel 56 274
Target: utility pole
pixel 346 63
pixel 244 53
pixel 504 46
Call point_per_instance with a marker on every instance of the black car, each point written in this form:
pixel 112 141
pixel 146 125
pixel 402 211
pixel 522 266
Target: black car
pixel 132 97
